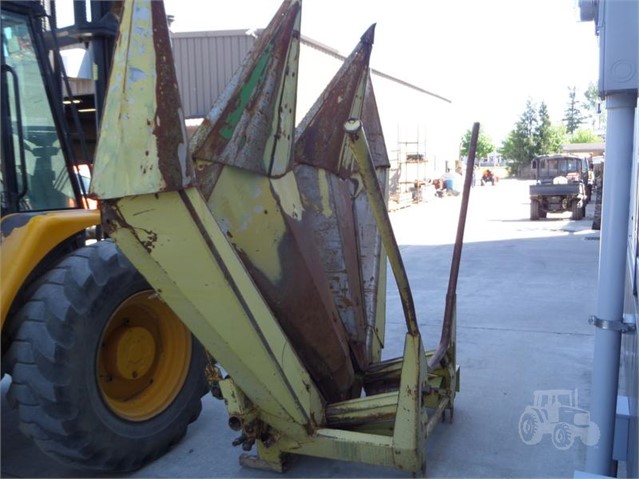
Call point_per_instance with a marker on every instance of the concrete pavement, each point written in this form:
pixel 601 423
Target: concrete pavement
pixel 524 295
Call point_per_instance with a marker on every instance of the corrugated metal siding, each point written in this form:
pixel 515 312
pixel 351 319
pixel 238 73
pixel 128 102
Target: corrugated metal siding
pixel 205 62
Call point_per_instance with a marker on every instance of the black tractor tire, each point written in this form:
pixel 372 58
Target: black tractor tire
pixel 58 376
pixel 534 210
pixel 577 211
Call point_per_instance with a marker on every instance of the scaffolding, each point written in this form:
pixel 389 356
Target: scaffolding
pixel 412 173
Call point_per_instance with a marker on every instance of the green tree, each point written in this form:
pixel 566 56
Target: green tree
pixel 585 136
pixel 595 115
pixel 557 138
pixel 548 137
pixel 542 131
pixel 533 135
pixel 573 116
pixel 591 95
pixel 485 145
pixel 521 144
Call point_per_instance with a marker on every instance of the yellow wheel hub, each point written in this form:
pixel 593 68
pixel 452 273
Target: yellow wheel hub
pixel 131 352
pixel 144 357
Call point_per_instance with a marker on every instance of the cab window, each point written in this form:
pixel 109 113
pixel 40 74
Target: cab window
pixel 37 162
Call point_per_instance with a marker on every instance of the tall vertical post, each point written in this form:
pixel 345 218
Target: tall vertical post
pixel 617 26
pixel 610 287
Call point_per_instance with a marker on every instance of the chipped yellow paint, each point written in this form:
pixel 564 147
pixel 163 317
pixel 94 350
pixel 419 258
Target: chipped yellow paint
pixel 325 189
pixel 380 310
pixel 249 208
pixel 130 113
pixel 280 142
pixel 245 208
pixel 288 194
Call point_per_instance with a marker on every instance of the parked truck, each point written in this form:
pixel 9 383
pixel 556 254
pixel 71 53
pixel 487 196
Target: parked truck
pixel 562 183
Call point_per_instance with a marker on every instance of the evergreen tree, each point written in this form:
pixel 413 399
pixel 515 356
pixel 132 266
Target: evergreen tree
pixel 573 116
pixel 543 130
pixel 520 146
pixel 549 139
pixel 533 135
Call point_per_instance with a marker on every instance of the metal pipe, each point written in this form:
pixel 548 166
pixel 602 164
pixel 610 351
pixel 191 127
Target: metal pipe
pixel 359 146
pixel 610 286
pixel 451 294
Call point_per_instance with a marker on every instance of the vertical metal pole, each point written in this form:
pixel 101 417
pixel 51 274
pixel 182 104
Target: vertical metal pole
pixel 451 294
pixel 610 288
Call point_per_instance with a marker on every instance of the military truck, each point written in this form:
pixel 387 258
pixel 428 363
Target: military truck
pixel 561 184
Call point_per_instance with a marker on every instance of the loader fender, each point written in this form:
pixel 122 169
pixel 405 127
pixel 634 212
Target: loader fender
pixel 27 238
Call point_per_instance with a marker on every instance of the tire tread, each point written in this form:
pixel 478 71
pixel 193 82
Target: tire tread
pixel 45 385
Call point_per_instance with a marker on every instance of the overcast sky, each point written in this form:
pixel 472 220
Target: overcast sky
pixel 487 56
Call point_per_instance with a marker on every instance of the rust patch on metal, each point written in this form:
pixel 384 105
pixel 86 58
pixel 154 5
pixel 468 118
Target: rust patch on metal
pixel 172 146
pixel 302 305
pixel 330 198
pixel 319 135
pixel 335 238
pixel 236 132
pixel 113 220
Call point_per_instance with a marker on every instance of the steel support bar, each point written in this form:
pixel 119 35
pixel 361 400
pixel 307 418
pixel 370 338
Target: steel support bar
pixel 361 151
pixel 348 414
pixel 610 285
pixel 404 449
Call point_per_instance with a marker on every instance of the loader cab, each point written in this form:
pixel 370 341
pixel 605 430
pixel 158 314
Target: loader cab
pixel 37 170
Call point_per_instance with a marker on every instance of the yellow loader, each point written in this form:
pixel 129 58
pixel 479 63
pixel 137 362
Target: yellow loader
pixel 103 374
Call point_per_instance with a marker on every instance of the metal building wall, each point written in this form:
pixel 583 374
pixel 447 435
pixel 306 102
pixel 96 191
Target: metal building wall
pixel 205 61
